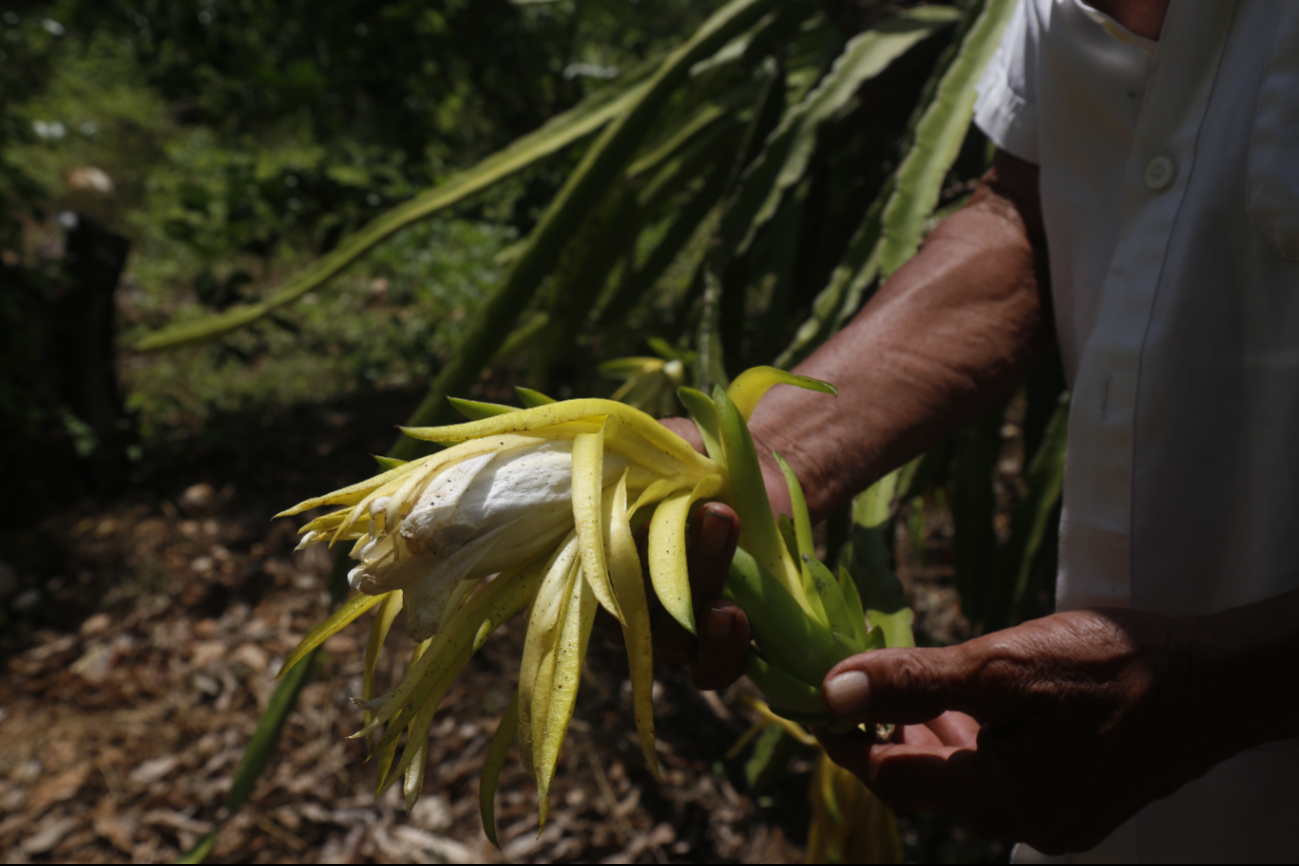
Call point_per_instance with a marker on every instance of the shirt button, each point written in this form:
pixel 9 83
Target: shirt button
pixel 1159 173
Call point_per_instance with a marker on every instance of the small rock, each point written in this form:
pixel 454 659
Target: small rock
pixel 432 813
pixel 252 655
pixel 48 834
pixel 197 498
pixel 154 769
pixel 95 623
pixel 202 564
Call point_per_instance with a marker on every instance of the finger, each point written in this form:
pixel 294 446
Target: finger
pixel 672 644
pixel 686 429
pixel 710 547
pixel 723 645
pixel 955 729
pixel 946 779
pixel 916 735
pixel 932 778
pixel 907 686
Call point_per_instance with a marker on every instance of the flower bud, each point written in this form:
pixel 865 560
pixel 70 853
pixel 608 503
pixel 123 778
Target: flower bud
pixel 470 520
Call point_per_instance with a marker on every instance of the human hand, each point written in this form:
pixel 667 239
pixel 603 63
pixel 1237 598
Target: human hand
pixel 716 653
pixel 1082 719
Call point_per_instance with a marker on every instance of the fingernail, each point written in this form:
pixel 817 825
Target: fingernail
pixel 718 625
pixel 714 532
pixel 848 694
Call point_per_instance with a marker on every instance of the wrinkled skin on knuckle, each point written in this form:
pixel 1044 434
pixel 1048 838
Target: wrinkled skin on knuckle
pixel 910 676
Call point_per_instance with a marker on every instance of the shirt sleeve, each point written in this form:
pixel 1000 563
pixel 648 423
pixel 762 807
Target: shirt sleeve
pixel 1006 108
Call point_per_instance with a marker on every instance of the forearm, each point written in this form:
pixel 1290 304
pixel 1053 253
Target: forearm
pixel 944 337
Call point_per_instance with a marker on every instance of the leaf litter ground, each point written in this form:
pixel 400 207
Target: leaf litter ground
pixel 145 640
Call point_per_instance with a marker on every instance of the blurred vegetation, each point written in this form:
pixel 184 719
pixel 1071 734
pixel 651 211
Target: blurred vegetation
pixel 232 143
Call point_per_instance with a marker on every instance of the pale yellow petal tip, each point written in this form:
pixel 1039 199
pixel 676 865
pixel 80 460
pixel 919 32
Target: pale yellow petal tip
pixel 436 435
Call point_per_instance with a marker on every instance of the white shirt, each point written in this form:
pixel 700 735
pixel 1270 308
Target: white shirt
pixel 1169 180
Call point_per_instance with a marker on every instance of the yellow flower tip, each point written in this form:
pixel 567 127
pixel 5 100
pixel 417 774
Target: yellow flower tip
pixel 750 386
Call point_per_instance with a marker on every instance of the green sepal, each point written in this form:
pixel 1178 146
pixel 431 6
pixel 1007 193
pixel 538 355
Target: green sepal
pixel 877 638
pixel 781 688
pixel 787 534
pixel 895 626
pixel 484 632
pixel 625 368
pixel 837 613
pixel 532 399
pixel 769 763
pixel 852 598
pixel 749 386
pixel 386 463
pixel 666 350
pixel 386 752
pixel 759 534
pixel 704 412
pixel 476 411
pixel 783 630
pixel 833 724
pixel 803 535
pixel 802 519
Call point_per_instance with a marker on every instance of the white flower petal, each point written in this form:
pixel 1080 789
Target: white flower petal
pixel 426 598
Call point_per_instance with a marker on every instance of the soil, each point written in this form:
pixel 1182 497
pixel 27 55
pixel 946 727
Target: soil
pixel 142 641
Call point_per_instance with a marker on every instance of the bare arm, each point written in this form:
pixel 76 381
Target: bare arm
pixel 944 337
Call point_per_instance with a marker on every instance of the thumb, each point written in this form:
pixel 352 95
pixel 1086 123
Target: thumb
pixel 904 686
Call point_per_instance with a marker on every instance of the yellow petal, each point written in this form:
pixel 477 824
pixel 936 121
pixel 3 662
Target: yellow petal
pixel 588 494
pixel 566 411
pixel 661 489
pixel 539 644
pixel 667 550
pixel 389 607
pixel 413 784
pixel 355 491
pixel 496 602
pixel 570 650
pixel 325 522
pixel 420 720
pixel 749 386
pixel 624 566
pixel 497 751
pixel 535 699
pixel 338 620
pixel 629 441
